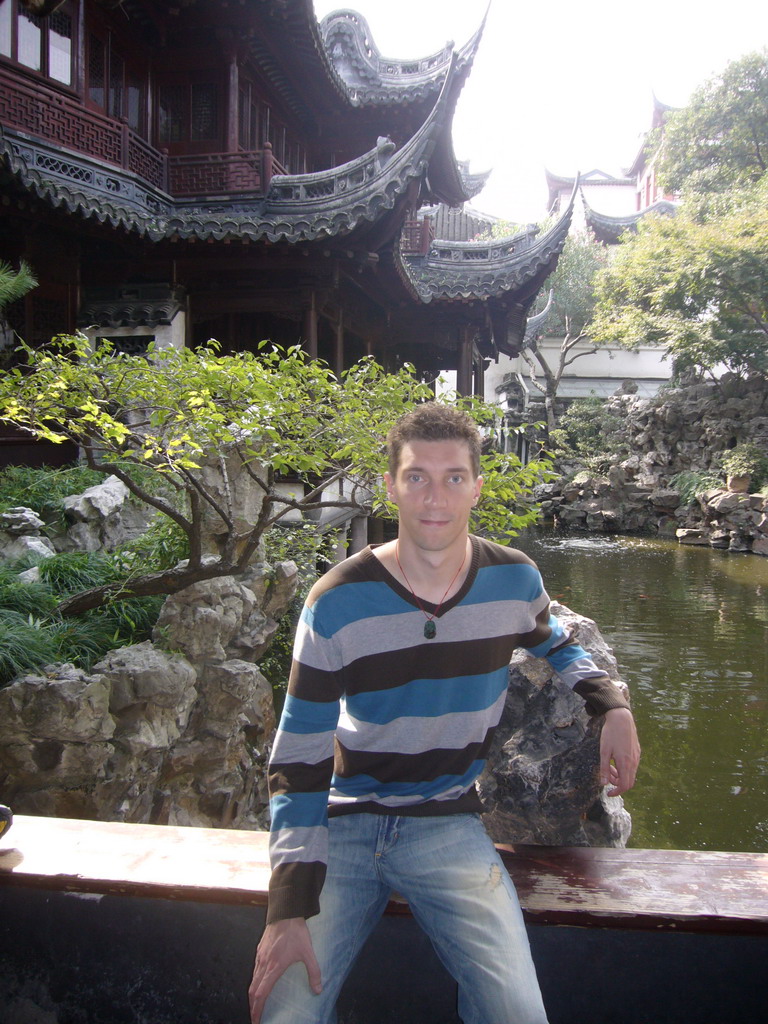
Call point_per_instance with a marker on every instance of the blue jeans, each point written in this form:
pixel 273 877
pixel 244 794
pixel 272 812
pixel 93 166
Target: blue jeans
pixel 458 891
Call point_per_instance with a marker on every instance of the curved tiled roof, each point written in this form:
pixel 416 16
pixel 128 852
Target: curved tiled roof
pixel 593 177
pixel 299 207
pixel 609 229
pixel 374 79
pixel 485 269
pixel 155 305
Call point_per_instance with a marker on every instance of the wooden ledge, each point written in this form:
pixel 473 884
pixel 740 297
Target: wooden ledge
pixel 604 887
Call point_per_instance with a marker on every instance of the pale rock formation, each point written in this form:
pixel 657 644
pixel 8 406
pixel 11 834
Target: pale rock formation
pixel 20 535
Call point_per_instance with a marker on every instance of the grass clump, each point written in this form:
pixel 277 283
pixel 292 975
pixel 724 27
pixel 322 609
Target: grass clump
pixel 33 634
pixel 43 489
pixel 689 484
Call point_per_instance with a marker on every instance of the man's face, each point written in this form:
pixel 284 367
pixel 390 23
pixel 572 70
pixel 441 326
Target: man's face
pixel 435 490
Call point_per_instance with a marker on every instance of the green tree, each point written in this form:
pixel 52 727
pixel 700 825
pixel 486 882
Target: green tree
pixel 718 143
pixel 570 309
pixel 201 422
pixel 700 289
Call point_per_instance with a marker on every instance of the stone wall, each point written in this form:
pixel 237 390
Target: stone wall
pixel 681 430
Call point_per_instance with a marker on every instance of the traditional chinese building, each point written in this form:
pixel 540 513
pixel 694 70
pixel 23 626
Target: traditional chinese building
pixel 193 169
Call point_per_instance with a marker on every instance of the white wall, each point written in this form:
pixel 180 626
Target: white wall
pixel 607 364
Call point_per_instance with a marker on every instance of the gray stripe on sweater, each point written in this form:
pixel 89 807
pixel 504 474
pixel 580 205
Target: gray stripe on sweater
pixel 308 748
pixel 453 731
pixel 386 633
pixel 298 844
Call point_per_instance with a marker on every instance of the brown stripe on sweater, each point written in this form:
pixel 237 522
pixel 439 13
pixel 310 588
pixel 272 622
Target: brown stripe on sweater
pixel 397 767
pixel 294 890
pixel 389 669
pixel 299 777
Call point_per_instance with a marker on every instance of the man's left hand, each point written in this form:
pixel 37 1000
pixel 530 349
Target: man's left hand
pixel 619 751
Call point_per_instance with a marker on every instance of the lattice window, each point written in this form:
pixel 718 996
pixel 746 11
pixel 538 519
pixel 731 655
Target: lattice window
pixel 30 40
pixel 248 114
pixel 60 47
pixel 97 73
pixel 172 110
pixel 6 24
pixel 204 119
pixel 116 85
pixel 136 104
pixel 41 44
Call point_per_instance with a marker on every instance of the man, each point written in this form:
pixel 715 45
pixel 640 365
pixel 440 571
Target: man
pixel 399 678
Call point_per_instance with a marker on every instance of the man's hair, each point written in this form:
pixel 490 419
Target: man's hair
pixel 434 421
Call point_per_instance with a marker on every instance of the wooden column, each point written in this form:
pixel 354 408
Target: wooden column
pixel 309 334
pixel 233 100
pixel 338 346
pixel 464 368
pixel 480 377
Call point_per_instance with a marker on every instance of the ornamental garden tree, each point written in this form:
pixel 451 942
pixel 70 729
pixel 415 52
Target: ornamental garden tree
pixel 182 429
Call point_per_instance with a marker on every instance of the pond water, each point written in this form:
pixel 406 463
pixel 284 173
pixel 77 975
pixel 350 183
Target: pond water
pixel 689 626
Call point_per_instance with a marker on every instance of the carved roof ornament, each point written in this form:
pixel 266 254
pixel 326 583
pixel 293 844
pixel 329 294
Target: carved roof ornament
pixel 138 306
pixel 372 78
pixel 465 270
pixel 534 328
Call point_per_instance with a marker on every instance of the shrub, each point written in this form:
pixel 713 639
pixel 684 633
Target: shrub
pixel 746 459
pixel 590 432
pixel 33 634
pixel 23 645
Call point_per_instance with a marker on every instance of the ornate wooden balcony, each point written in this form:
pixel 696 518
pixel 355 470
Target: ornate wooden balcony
pixel 61 120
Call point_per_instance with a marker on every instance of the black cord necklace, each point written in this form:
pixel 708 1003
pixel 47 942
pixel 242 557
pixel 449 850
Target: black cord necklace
pixel 430 628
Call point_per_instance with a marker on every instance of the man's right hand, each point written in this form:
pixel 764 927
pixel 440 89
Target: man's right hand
pixel 282 944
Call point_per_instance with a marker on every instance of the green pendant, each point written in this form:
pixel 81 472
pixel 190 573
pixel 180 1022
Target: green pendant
pixel 430 629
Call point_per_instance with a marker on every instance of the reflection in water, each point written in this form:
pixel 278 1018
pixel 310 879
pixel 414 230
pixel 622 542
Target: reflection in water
pixel 689 626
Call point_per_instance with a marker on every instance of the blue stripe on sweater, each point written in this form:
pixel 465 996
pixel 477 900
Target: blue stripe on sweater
pixel 566 656
pixel 308 716
pixel 350 603
pixel 294 810
pixel 429 698
pixel 519 582
pixel 367 785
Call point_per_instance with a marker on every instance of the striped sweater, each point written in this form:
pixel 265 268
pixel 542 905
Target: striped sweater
pixel 379 719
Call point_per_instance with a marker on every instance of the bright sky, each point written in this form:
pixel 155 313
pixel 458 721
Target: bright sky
pixel 564 84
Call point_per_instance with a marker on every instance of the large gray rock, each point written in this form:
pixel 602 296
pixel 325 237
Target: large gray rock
pixel 541 783
pixel 101 518
pixel 55 741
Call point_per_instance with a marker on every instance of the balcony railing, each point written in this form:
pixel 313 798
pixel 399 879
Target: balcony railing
pixel 61 120
pixel 222 173
pixel 35 108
